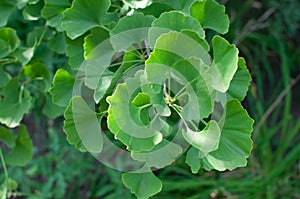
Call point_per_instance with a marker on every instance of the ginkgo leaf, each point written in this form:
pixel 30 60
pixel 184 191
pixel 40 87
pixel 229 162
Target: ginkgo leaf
pixel 156 9
pixel 62 88
pixel 193 159
pixel 137 137
pixel 91 41
pixel 137 3
pixel 82 126
pixel 162 155
pixel 4 77
pixel 173 21
pixel 22 151
pixel 225 63
pixel 240 83
pixel 83 15
pixel 182 5
pixel 52 11
pixel 206 140
pixel 6 9
pixel 129 30
pixel 7 137
pixel 32 11
pixel 143 185
pixel 75 51
pixel 50 109
pixel 235 141
pixel 211 15
pixel 58 43
pixel 9 41
pixel 12 99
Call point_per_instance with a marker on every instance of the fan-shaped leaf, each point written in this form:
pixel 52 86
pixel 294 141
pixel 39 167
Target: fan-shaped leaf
pixel 143 185
pixel 173 21
pixel 6 9
pixel 225 63
pixel 83 15
pixel 211 15
pixel 7 137
pixel 129 30
pixel 62 88
pixel 9 41
pixel 82 126
pixel 22 152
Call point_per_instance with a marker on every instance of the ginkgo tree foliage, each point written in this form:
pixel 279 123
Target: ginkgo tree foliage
pixel 152 80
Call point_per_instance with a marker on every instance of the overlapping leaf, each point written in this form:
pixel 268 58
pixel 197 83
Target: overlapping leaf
pixel 9 41
pixel 83 15
pixel 211 15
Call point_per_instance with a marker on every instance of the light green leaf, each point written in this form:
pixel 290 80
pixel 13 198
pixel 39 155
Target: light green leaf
pixel 62 88
pixel 225 63
pixel 7 137
pixel 6 10
pixel 206 140
pixel 50 109
pixel 141 99
pixel 173 21
pixel 235 143
pixel 38 71
pixel 129 30
pixel 21 154
pixel 143 185
pixel 9 41
pixel 211 15
pixel 83 15
pixel 240 83
pixel 52 12
pixel 162 155
pixel 103 85
pixel 91 41
pixel 121 113
pixel 74 50
pixel 82 126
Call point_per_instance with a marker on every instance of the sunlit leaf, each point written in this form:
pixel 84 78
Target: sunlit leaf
pixel 225 63
pixel 173 21
pixel 211 15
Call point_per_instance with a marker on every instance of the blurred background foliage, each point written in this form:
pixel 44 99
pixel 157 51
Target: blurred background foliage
pixel 267 34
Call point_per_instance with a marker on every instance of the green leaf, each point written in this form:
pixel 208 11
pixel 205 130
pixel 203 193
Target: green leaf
pixel 52 12
pixel 7 137
pixel 4 77
pixel 82 126
pixel 74 50
pixel 50 109
pixel 9 41
pixel 225 63
pixel 211 15
pixel 162 155
pixel 58 43
pixel 121 113
pixel 24 55
pixel 206 140
pixel 38 71
pixel 143 185
pixel 14 99
pixel 182 5
pixel 192 159
pixel 32 11
pixel 141 99
pixel 129 30
pixel 173 21
pixel 240 83
pixel 156 9
pixel 103 85
pixel 62 88
pixel 235 143
pixel 38 33
pixel 91 41
pixel 21 154
pixel 6 10
pixel 83 15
